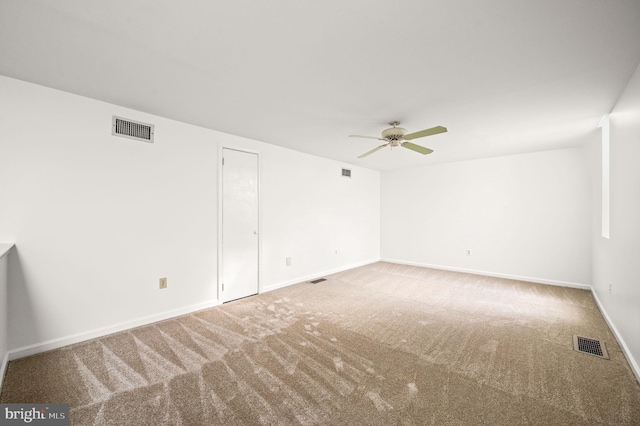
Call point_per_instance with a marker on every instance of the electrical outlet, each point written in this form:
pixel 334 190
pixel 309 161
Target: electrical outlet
pixel 163 283
pixel 288 261
pixel 336 251
pixel 469 252
pixel 610 288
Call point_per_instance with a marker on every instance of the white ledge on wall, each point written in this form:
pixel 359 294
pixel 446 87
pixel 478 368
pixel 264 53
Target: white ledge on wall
pixel 5 248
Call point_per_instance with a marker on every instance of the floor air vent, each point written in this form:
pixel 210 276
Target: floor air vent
pixel 319 280
pixel 590 347
pixel 132 129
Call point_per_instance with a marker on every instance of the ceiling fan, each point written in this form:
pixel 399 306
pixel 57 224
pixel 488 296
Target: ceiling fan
pixel 397 136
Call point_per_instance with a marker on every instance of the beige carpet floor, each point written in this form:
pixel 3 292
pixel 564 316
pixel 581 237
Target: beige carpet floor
pixel 382 344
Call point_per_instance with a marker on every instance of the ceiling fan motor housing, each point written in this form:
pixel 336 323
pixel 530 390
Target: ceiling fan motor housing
pixel 394 134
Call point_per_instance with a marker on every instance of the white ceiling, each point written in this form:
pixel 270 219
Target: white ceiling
pixel 504 76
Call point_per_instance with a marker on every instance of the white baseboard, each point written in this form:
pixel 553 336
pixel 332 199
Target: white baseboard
pixel 623 345
pixel 93 334
pixel 625 349
pixel 80 337
pixel 316 275
pixel 493 274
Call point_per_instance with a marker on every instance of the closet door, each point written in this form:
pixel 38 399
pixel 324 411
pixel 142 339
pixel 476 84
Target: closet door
pixel 240 216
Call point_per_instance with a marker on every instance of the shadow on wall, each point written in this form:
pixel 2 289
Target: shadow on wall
pixel 21 326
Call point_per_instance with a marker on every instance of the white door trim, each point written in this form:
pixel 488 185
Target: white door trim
pixel 221 148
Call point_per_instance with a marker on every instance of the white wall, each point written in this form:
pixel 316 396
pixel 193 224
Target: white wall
pixel 97 219
pixel 310 211
pixel 522 216
pixel 617 260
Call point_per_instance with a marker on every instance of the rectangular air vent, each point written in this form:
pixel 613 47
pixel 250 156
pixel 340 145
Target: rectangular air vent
pixel 590 347
pixel 346 173
pixel 319 280
pixel 132 129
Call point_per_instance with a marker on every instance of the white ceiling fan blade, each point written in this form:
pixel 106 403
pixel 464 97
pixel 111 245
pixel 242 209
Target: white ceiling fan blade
pixel 427 132
pixel 373 150
pixel 366 137
pixel 417 148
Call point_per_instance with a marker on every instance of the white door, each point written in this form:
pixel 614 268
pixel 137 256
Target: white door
pixel 239 224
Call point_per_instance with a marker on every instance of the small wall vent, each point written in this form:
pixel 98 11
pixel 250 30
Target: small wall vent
pixel 346 173
pixel 590 347
pixel 132 129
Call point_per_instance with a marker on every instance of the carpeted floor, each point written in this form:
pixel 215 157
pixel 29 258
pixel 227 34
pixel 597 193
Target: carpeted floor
pixel 382 344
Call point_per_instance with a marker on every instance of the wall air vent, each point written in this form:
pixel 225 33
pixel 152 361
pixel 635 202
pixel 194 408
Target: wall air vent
pixel 346 173
pixel 132 129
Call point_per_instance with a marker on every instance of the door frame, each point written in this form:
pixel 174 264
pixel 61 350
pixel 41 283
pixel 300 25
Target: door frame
pixel 221 148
